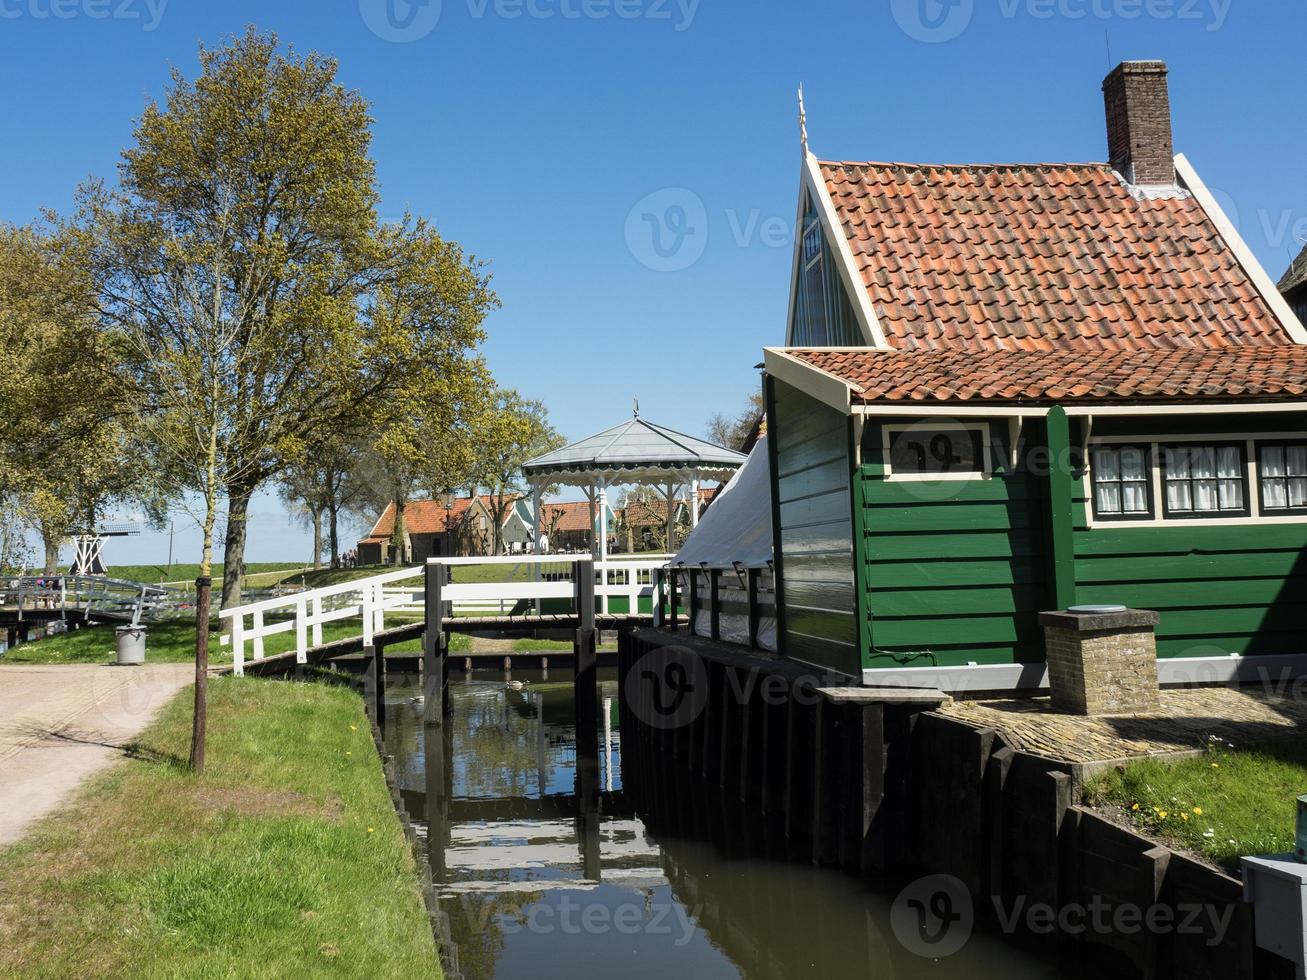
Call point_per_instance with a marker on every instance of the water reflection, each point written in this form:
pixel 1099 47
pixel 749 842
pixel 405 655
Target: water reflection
pixel 552 858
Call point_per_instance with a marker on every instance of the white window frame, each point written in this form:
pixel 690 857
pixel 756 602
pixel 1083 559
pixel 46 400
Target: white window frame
pixel 986 471
pixel 1154 443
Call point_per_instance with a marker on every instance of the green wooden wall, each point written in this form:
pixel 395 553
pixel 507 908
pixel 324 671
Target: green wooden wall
pixel 956 568
pixel 893 570
pixel 813 517
pixel 1232 589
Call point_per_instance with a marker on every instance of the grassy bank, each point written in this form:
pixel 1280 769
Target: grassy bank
pixel 174 642
pixel 1228 803
pixel 284 859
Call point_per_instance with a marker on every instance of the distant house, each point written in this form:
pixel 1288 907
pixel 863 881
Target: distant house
pixel 1294 285
pixel 455 527
pixel 566 526
pixel 1015 388
pixel 642 524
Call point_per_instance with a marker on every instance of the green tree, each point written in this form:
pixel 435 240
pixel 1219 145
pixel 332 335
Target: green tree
pixel 733 431
pixel 255 297
pixel 510 432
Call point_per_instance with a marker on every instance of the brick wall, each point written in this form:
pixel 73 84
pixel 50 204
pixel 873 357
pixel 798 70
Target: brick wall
pixel 1103 664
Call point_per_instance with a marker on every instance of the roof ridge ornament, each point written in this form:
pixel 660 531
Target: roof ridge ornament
pixel 637 406
pixel 803 121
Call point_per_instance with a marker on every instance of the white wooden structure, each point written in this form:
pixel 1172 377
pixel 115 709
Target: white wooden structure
pixel 636 452
pixel 400 594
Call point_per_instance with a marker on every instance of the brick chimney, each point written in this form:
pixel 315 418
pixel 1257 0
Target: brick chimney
pixel 1139 123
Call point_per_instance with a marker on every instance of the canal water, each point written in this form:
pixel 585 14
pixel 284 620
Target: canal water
pixel 551 862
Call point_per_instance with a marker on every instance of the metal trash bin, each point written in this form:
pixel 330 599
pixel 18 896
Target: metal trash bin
pixel 131 645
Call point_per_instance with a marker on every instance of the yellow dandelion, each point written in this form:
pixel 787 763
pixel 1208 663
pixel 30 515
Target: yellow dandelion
pixel 353 728
pixel 1162 814
pixel 1216 765
pixel 1184 817
pixel 1135 807
pixel 349 753
pixel 1198 811
pixel 371 831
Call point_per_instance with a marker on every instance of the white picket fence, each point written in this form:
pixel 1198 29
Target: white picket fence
pixel 401 593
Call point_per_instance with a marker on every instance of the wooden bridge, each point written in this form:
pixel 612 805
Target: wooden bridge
pixel 542 595
pixel 85 599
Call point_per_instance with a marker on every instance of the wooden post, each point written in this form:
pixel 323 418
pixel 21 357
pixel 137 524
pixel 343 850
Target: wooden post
pixel 694 598
pixel 752 577
pixel 656 605
pixel 371 688
pixel 200 719
pixel 714 603
pixel 673 599
pixel 435 645
pixel 1061 543
pixel 585 658
pixel 379 672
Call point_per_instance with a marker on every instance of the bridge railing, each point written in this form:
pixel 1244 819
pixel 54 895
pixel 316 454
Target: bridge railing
pixel 91 596
pixel 534 583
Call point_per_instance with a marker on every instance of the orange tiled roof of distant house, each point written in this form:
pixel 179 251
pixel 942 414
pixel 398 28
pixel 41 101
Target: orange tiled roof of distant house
pixel 424 516
pixel 573 516
pixel 1041 257
pixel 1066 375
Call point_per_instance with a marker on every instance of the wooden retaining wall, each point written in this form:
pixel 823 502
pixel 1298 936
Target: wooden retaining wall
pixel 896 788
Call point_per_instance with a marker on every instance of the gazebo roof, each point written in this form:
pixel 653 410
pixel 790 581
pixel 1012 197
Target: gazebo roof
pixel 637 451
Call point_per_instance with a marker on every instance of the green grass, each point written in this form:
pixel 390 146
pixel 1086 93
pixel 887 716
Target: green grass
pixel 188 572
pixel 173 641
pixel 1226 804
pixel 284 859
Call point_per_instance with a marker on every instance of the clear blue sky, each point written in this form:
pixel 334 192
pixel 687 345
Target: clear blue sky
pixel 532 130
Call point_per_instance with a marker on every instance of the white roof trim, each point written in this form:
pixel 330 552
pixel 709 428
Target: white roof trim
pixel 827 388
pixel 849 275
pixel 1242 253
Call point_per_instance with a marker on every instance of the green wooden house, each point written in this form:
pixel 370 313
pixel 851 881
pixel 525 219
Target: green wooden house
pixel 1009 389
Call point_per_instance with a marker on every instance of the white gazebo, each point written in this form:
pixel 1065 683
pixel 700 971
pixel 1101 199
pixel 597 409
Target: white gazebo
pixel 637 452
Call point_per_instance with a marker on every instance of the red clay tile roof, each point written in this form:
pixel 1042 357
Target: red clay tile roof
pixel 573 516
pixel 1067 375
pixel 1041 257
pixel 424 517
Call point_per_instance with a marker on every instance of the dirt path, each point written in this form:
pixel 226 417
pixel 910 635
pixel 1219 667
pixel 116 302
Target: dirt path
pixel 60 724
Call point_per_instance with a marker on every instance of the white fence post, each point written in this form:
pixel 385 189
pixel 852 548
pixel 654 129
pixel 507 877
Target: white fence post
pixel 368 615
pixel 238 643
pixel 317 620
pixel 258 634
pixel 301 633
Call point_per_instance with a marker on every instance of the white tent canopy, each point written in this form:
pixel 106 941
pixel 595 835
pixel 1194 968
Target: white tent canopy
pixel 736 528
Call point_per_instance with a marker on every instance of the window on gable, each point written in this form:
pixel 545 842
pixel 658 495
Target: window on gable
pixel 1283 477
pixel 1204 481
pixel 814 286
pixel 1121 482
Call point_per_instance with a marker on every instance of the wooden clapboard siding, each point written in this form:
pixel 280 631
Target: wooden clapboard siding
pixel 813 511
pixel 955 568
pixel 1218 589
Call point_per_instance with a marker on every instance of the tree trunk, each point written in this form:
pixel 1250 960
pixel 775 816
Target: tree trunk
pixel 333 512
pixel 399 533
pixel 317 538
pixel 203 591
pixel 52 543
pixel 233 551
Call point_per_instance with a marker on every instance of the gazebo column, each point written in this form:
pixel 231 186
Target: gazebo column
pixel 603 541
pixel 537 546
pixel 671 518
pixel 694 503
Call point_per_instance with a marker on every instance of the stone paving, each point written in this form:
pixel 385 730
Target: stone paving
pixel 1185 723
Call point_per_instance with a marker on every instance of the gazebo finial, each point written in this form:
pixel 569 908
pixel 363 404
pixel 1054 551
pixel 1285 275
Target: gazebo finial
pixel 637 406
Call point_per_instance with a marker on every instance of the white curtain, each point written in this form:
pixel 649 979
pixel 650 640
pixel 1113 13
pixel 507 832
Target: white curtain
pixel 1107 488
pixel 1204 479
pixel 1284 476
pixel 1134 482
